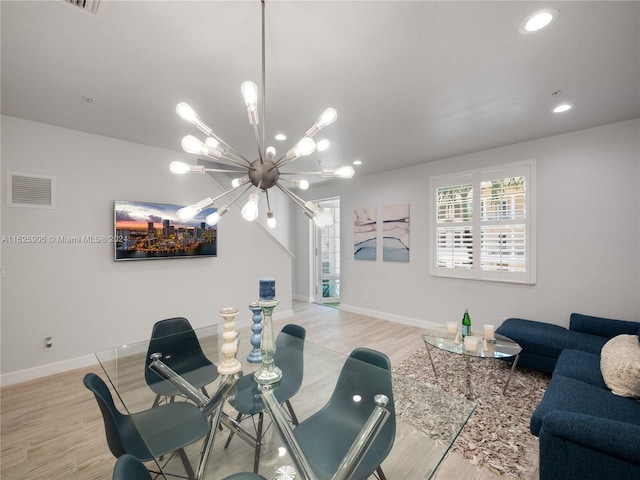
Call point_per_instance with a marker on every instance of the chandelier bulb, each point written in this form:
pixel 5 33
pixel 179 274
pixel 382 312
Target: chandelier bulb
pixel 249 92
pixel 342 172
pixel 304 147
pixel 271 220
pixel 191 144
pixel 239 181
pixel 345 172
pixel 320 217
pixel 323 145
pixel 326 118
pixel 179 168
pixel 212 142
pixel 214 218
pixel 190 211
pixel 187 213
pixel 250 210
pixel 270 152
pixel 187 113
pixel 301 184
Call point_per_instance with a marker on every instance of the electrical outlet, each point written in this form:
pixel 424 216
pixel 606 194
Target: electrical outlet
pixel 48 344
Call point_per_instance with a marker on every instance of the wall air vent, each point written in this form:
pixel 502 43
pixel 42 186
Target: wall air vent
pixel 88 5
pixel 33 191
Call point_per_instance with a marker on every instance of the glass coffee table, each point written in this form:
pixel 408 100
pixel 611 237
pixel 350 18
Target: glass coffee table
pixel 501 347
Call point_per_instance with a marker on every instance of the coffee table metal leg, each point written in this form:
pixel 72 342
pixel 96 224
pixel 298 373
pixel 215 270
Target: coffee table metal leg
pixel 513 367
pixel 468 393
pixel 435 374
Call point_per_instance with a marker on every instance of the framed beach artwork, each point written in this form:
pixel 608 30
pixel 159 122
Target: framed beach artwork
pixel 395 233
pixel 365 228
pixel 145 231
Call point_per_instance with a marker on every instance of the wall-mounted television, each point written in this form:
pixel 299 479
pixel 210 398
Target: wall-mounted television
pixel 146 231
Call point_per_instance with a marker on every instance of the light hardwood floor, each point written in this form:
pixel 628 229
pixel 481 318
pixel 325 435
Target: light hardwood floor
pixel 51 428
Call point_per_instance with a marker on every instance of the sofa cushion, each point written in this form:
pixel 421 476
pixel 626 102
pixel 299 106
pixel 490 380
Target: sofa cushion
pixel 534 337
pixel 571 395
pixel 584 341
pixel 580 365
pixel 603 327
pixel 620 365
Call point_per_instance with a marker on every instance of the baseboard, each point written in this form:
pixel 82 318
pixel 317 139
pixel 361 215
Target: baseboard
pixel 414 322
pixel 33 373
pixel 302 298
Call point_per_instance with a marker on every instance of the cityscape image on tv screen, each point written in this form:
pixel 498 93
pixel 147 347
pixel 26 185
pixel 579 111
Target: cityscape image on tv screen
pixel 154 230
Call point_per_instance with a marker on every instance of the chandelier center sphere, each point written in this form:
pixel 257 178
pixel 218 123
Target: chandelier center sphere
pixel 263 174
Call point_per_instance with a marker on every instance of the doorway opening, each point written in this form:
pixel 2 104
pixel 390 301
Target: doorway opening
pixel 326 245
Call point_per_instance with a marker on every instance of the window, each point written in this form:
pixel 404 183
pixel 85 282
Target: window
pixel 484 225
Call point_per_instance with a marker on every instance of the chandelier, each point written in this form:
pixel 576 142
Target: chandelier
pixel 261 174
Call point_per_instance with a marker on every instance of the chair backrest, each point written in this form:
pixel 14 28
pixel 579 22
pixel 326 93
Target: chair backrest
pixel 129 467
pixel 289 358
pixel 115 423
pixel 357 377
pixel 179 345
pixel 327 435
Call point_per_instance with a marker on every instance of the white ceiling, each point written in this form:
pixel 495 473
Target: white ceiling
pixel 412 81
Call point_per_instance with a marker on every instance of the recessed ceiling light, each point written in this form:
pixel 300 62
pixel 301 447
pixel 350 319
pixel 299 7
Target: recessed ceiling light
pixel 563 107
pixel 539 20
pixel 280 136
pixel 357 162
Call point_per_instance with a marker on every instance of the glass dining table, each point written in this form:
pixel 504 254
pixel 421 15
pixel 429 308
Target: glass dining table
pixel 428 420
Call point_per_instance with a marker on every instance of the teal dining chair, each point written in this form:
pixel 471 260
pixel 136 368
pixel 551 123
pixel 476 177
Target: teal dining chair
pixel 176 340
pixel 326 436
pixel 246 398
pixel 167 428
pixel 129 467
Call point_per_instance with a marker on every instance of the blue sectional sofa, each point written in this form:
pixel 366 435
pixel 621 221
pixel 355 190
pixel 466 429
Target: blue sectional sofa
pixel 585 431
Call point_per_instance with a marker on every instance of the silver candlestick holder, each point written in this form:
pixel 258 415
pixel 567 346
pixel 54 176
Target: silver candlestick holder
pixel 269 373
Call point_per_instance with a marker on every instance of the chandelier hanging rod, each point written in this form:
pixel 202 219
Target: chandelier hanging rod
pixel 264 172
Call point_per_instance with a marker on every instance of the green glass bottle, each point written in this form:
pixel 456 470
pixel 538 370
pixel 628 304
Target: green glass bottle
pixel 466 324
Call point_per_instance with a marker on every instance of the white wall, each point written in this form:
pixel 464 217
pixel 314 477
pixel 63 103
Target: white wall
pixel 77 293
pixel 588 240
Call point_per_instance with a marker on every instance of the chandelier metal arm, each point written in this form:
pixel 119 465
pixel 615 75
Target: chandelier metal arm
pixel 241 162
pixel 235 199
pixel 230 153
pixel 220 170
pixel 255 131
pixel 266 194
pixel 235 157
pixel 223 194
pixel 296 199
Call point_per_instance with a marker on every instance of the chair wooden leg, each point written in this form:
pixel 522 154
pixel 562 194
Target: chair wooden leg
pixel 187 465
pixel 380 473
pixel 294 419
pixel 256 458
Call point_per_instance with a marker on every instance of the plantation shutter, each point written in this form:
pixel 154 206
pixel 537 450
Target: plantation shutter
pixel 483 224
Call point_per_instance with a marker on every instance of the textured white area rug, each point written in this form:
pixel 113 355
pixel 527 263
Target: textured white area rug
pixel 497 435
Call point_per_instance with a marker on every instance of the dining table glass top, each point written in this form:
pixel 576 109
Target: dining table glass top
pixel 428 420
